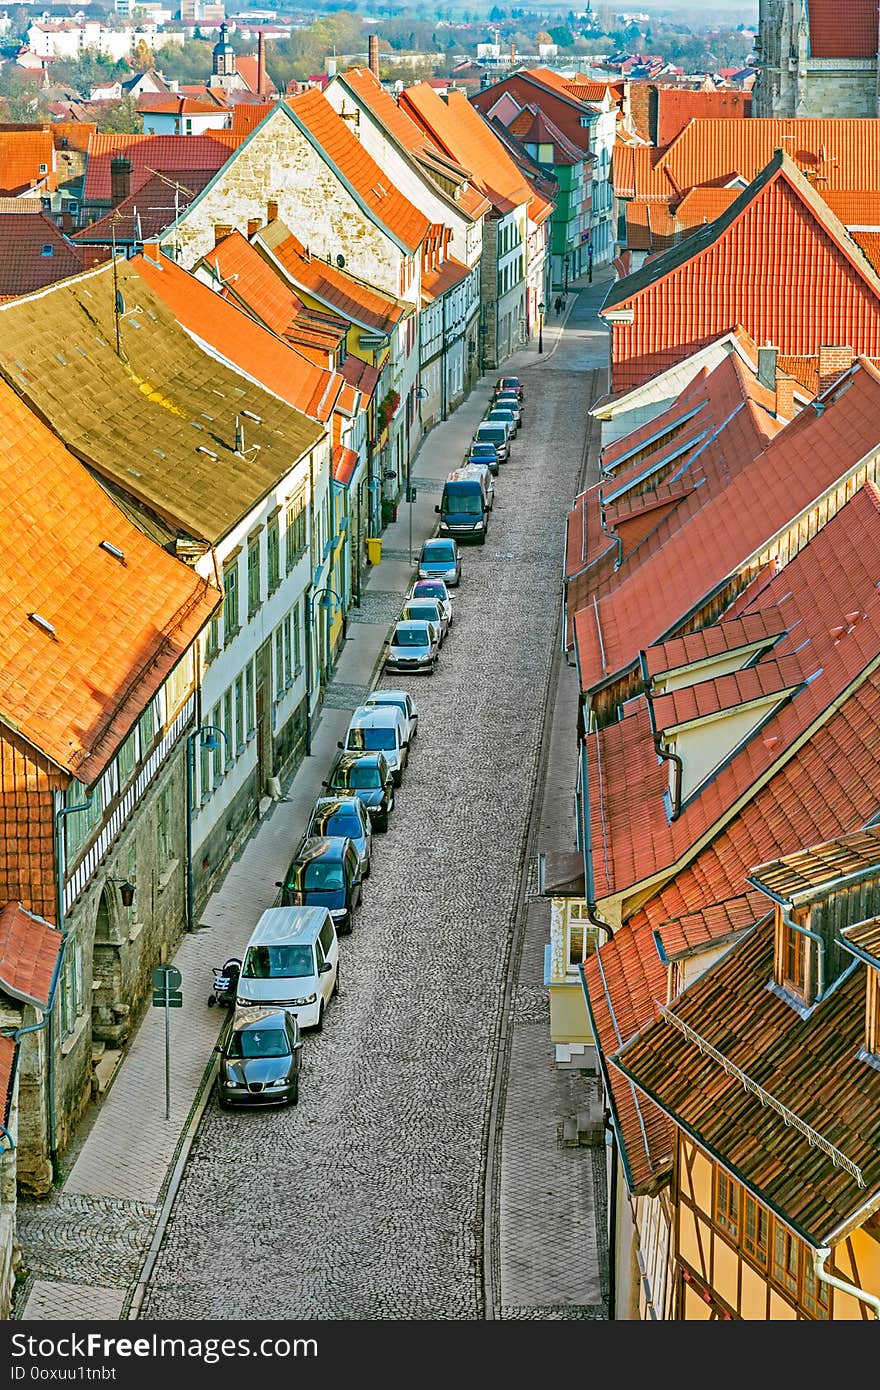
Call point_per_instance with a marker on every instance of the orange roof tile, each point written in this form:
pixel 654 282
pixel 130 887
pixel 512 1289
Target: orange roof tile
pixel 117 629
pixel 716 540
pixel 34 252
pixel 827 598
pixel 176 105
pixel 29 947
pixel 678 105
pixel 436 283
pixel 869 242
pixel 692 703
pixel 759 629
pixel 345 461
pixel 339 290
pixel 849 35
pixel 460 130
pixel 373 186
pixel 23 154
pixel 241 341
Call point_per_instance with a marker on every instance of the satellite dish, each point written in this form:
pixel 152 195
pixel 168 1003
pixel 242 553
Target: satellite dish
pixel 340 261
pixel 120 302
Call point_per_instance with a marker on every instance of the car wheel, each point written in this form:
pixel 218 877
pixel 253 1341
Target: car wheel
pixel 368 870
pixel 293 1093
pixel 382 823
pixel 319 1026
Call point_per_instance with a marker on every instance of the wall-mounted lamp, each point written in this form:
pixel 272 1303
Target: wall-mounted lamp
pixel 126 890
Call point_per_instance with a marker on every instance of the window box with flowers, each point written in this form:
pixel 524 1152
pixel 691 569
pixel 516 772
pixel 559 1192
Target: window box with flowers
pixel 387 409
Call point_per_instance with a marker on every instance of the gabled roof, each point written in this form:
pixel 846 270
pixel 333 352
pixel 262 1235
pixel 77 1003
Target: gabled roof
pixel 33 253
pixel 22 154
pixel 533 127
pixel 827 598
pixel 231 334
pixel 811 873
pixel 677 105
pixel 161 391
pixel 460 130
pixel 340 291
pixel 150 154
pixel 173 105
pixel 436 283
pixel 810 1068
pixel 29 947
pixel 372 185
pixel 145 214
pixel 834 35
pixel 115 629
pixel 737 523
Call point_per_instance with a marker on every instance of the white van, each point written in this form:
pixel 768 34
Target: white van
pixel 379 729
pixel 291 962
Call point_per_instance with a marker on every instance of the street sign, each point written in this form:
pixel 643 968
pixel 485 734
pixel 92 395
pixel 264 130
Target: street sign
pixel 174 999
pixel 166 975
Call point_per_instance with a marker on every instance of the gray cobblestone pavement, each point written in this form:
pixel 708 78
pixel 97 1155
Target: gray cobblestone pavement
pixel 364 1201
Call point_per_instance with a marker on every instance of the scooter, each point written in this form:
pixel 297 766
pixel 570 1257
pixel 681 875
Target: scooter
pixel 225 983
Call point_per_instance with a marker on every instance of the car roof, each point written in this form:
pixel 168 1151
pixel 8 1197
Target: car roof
pixel 461 475
pixel 327 806
pixel 388 695
pixel 376 717
pixel 349 757
pixel 411 623
pixel 296 924
pixel 259 1018
pixel 321 847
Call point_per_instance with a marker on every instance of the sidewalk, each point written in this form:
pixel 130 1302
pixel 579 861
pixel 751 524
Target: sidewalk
pixel 110 1212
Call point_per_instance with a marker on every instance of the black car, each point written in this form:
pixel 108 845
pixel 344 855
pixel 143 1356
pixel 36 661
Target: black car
pixel 259 1059
pixel 368 776
pixel 324 872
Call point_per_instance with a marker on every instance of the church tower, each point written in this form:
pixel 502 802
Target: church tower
pixel 224 55
pixel 817 58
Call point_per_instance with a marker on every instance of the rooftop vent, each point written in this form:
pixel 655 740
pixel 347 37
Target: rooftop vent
pixel 113 550
pixel 249 415
pixel 42 623
pixel 200 449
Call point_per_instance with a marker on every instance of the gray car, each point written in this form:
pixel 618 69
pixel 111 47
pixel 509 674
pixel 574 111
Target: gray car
pixel 259 1059
pixel 428 609
pixel 440 559
pixel 413 646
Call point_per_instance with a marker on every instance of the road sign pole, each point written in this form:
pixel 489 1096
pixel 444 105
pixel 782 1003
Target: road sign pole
pixel 167 1046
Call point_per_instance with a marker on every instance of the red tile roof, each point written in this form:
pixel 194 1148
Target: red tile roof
pixel 117 629
pixel 685 297
pixel 693 703
pixel 360 374
pixel 29 949
pixel 24 265
pixel 436 283
pixel 717 540
pixel 22 155
pixel 852 34
pixel 677 105
pixel 345 461
pixel 150 154
pixel 241 341
pixel 753 630
pixel 177 105
pixel 337 289
pixel 533 127
pixel 373 186
pixel 460 130
pixel 247 66
pixel 145 214
pixel 827 598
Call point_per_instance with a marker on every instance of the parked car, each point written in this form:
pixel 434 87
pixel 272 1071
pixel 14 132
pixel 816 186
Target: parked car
pixel 483 453
pixel 413 646
pixel 464 505
pixel 506 415
pixel 371 730
pixel 367 776
pixel 292 962
pixel 509 400
pixel 434 588
pixel 403 700
pixel 484 471
pixel 439 559
pixel 260 1059
pixel 344 818
pixel 510 383
pixel 324 872
pixel 426 610
pixel 494 432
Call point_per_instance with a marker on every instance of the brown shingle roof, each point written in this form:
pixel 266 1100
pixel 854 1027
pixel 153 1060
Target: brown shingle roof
pixel 812 872
pixel 34 253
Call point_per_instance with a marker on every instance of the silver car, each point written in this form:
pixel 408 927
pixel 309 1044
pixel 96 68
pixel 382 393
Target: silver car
pixel 404 702
pixel 434 588
pixel 430 610
pixel 413 646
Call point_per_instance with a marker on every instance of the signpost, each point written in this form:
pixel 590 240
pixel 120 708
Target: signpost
pixel 167 995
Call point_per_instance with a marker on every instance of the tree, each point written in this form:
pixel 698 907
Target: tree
pixel 561 36
pixel 143 57
pixel 117 117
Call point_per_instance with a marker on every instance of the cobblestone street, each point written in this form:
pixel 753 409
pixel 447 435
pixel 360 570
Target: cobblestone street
pixel 363 1201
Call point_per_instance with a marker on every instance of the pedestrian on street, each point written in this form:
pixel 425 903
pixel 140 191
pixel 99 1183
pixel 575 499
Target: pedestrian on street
pixel 563 303
pixel 558 304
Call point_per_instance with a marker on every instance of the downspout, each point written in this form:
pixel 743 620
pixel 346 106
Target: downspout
pixel 668 755
pixel 443 401
pixel 308 634
pixel 612 1221
pixel 589 890
pixel 819 1258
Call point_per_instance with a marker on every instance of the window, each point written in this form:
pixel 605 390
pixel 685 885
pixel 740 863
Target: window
pixel 239 714
pixel 228 745
pixel 249 715
pixel 204 770
pixel 164 832
pixel 212 639
pixel 295 524
pixel 230 600
pixel 785 1259
pixel 794 959
pixel 582 934
pixel 71 984
pixel 44 168
pixel 297 642
pixel 127 758
pixel 279 661
pixel 816 1296
pixel 755 1230
pixel 872 1013
pixel 47 249
pixel 147 726
pixel 78 828
pixel 178 686
pixel 726 1204
pixel 253 576
pixel 273 556
pixel 288 654
pixel 748 1224
pixel 217 753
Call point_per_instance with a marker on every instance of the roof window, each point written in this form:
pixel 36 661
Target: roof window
pixel 113 550
pixel 47 249
pixel 42 623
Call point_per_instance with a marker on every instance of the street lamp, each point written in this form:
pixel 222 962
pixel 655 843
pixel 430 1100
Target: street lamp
pixel 541 308
pixel 210 742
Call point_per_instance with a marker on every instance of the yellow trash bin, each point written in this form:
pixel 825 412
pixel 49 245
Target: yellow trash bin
pixel 374 550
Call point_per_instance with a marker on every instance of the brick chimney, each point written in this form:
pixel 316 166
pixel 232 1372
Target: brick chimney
pixel 785 396
pixel 833 362
pixel 272 210
pixel 261 64
pixel 221 230
pixel 767 366
pixel 253 226
pixel 373 54
pixel 120 179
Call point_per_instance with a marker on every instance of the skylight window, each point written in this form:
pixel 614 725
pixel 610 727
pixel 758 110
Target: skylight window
pixel 42 623
pixel 47 249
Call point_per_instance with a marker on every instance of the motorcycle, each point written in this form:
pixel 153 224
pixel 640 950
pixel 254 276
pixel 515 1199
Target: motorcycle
pixel 225 983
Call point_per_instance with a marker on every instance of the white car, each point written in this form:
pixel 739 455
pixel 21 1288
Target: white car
pixel 433 588
pixel 413 646
pixel 404 701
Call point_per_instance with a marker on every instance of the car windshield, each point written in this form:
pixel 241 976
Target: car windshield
pixel 361 778
pixel 427 612
pixel 439 551
pixel 429 588
pixel 510 383
pixel 321 876
pixel 265 962
pixel 410 637
pixel 371 740
pixel 495 433
pixel 262 1042
pixel 395 703
pixel 462 498
pixel 341 824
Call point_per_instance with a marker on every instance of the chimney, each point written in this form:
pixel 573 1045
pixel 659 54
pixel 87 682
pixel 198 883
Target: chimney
pixel 272 210
pixel 833 362
pixel 261 64
pixel 373 54
pixel 253 226
pixel 767 366
pixel 221 230
pixel 120 179
pixel 151 252
pixel 785 397
pixel 67 221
